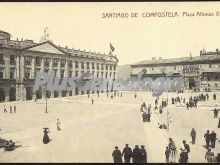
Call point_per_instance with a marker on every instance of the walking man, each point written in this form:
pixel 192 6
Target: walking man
pixel 117 155
pixel 10 109
pixel 143 154
pixel 213 139
pixel 5 110
pixel 186 146
pixel 58 125
pixel 207 138
pixel 14 108
pixel 167 154
pixel 92 101
pixel 193 135
pixel 136 155
pixel 127 152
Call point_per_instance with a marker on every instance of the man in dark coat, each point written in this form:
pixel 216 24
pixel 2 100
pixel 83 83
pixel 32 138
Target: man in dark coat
pixel 117 155
pixel 207 138
pixel 143 154
pixel 127 152
pixel 186 146
pixel 213 139
pixel 136 155
pixel 193 135
pixel 183 156
pixel 215 113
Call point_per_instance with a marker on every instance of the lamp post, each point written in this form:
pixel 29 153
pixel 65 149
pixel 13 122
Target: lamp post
pixel 46 98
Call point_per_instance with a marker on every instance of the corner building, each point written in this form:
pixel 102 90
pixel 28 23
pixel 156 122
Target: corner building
pixel 20 60
pixel 199 73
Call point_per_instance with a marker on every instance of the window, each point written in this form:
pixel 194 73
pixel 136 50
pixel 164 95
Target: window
pixel 106 74
pixel 106 67
pixel 93 66
pixel 12 73
pixel 46 62
pixel 70 64
pixel 55 62
pixel 87 65
pixel 76 64
pixel 114 76
pixel 1 73
pixel 97 74
pixel 102 67
pixel 37 70
pixel 27 73
pixel 76 73
pixel 216 85
pixel 174 67
pixel 12 59
pixel 110 67
pixel 102 75
pixel 210 66
pixel 38 61
pixel 28 60
pixel 62 73
pixel 63 63
pixel 70 74
pixel 82 65
pixel 97 66
pixel 1 58
pixel 114 67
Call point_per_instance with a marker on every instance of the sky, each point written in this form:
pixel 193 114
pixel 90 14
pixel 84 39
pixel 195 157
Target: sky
pixel 81 26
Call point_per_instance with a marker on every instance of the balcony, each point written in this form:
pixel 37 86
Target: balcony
pixel 55 64
pixel 46 64
pixel 12 62
pixel 2 62
pixel 62 65
pixel 38 64
pixel 27 62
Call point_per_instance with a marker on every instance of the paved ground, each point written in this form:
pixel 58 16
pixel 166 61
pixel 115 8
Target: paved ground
pixel 90 132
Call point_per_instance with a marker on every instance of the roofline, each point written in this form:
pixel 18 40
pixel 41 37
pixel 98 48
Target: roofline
pixel 26 48
pixel 177 63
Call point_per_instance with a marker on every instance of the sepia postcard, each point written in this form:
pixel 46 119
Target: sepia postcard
pixel 110 82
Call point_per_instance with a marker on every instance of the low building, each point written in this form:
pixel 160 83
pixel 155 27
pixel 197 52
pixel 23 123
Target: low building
pixel 199 73
pixel 20 60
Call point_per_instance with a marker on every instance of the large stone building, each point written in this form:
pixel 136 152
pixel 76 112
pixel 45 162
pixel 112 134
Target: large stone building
pixel 20 60
pixel 199 73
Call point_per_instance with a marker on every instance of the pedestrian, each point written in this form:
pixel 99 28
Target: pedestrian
pixel 167 154
pixel 135 95
pixel 117 157
pixel 186 146
pixel 143 154
pixel 207 138
pixel 183 156
pixel 92 101
pixel 172 147
pixel 58 125
pixel 209 155
pixel 46 138
pixel 213 139
pixel 121 94
pixel 144 115
pixel 127 152
pixel 5 110
pixel 214 96
pixel 10 109
pixel 136 154
pixel 111 96
pixel 215 113
pixel 14 108
pixel 193 135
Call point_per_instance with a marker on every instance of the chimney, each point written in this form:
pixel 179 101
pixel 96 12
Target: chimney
pixel 21 39
pixel 17 39
pixel 66 47
pixel 153 58
pixel 160 58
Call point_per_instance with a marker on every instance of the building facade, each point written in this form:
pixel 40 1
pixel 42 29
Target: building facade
pixel 20 60
pixel 199 73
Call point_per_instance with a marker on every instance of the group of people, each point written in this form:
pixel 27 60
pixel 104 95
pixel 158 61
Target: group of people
pixel 138 155
pixel 210 139
pixel 11 109
pixel 46 138
pixel 171 151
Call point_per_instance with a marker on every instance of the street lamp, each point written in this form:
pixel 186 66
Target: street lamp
pixel 46 98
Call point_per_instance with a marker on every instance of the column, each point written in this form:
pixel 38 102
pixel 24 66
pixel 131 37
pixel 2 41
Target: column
pixel 66 69
pixel 58 70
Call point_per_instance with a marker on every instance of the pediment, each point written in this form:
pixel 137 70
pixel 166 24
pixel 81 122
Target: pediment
pixel 46 47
